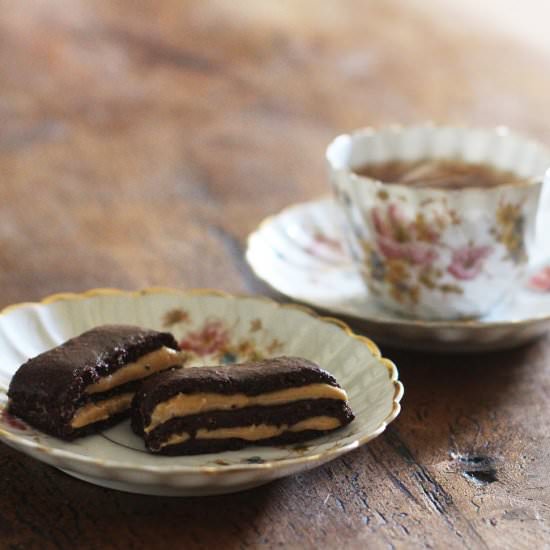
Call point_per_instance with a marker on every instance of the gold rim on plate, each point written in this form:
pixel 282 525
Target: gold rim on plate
pixel 268 465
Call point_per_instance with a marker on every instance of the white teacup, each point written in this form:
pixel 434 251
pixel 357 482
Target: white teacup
pixel 433 252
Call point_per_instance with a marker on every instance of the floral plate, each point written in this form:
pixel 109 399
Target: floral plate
pixel 215 328
pixel 302 254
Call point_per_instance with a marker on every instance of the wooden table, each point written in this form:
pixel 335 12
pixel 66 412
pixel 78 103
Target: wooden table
pixel 140 142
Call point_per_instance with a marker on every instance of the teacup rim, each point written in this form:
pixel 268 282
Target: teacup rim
pixel 499 130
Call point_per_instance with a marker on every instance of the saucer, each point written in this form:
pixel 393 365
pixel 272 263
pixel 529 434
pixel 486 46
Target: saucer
pixel 301 253
pixel 217 329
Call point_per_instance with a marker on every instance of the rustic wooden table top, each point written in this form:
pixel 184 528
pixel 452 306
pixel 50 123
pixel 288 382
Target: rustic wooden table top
pixel 141 142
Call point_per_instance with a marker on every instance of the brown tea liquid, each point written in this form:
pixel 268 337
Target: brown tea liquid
pixel 443 173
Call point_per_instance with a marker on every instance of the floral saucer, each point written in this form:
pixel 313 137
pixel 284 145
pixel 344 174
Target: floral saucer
pixel 214 328
pixel 301 253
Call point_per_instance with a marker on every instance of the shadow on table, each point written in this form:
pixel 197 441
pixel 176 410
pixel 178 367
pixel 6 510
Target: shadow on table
pixel 228 521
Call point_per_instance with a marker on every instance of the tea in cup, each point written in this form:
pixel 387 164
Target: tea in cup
pixel 442 221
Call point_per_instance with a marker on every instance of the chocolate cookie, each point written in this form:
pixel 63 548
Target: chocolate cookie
pixel 211 409
pixel 88 382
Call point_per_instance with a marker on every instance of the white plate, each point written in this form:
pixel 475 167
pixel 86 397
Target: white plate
pixel 301 253
pixel 221 328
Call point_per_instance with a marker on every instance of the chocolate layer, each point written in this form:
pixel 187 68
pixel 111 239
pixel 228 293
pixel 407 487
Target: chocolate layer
pixel 252 378
pixel 48 389
pixel 275 401
pixel 281 415
pixel 204 446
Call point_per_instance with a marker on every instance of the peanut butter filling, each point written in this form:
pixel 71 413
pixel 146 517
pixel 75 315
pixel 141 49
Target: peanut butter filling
pixel 94 412
pixel 186 404
pixel 257 432
pixel 152 362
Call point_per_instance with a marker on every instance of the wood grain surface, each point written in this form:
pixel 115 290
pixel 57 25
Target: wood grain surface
pixel 140 142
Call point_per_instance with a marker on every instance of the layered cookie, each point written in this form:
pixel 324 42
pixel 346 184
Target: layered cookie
pixel 211 409
pixel 89 382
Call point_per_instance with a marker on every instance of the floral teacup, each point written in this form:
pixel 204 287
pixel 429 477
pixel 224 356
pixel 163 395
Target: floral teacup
pixel 434 252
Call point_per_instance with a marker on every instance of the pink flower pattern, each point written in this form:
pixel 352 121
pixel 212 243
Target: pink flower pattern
pixel 12 421
pixel 467 262
pixel 407 255
pixel 415 253
pixel 217 340
pixel 398 239
pixel 325 247
pixel 541 280
pixel 329 242
pixel 213 337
